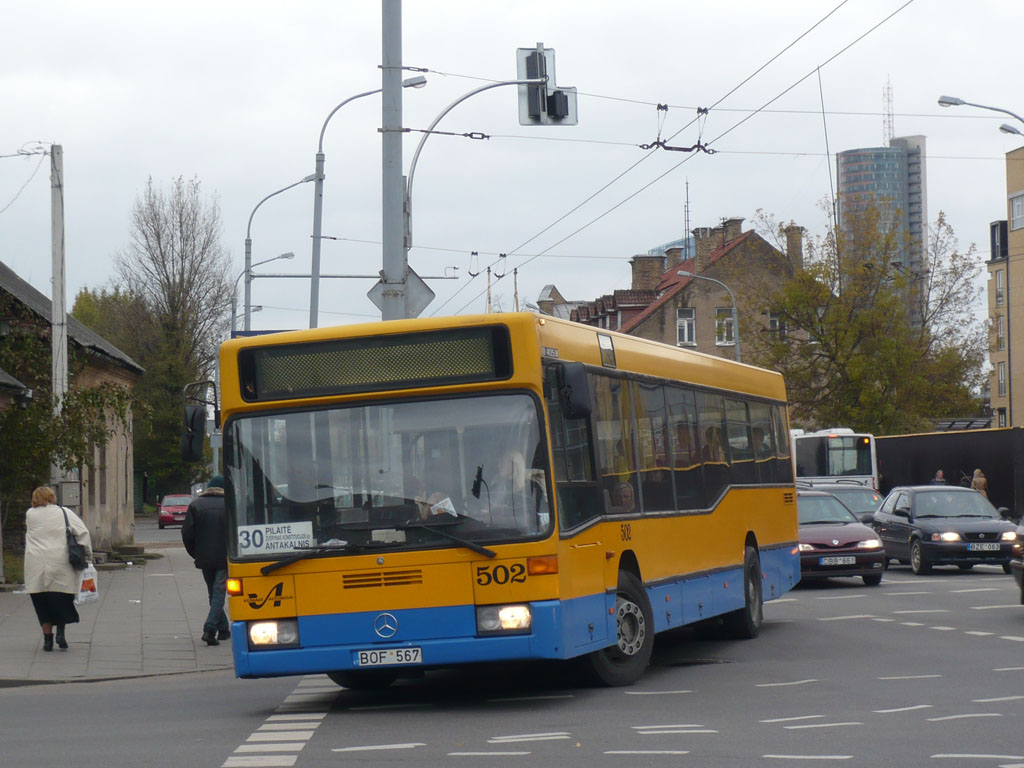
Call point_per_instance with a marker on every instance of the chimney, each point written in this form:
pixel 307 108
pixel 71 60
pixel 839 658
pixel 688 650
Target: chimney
pixel 673 257
pixel 702 248
pixel 647 271
pixel 795 245
pixel 733 228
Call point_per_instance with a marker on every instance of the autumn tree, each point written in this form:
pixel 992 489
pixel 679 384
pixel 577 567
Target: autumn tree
pixel 866 342
pixel 168 308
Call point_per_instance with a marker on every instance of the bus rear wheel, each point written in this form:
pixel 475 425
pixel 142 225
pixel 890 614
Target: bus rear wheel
pixel 364 679
pixel 745 623
pixel 625 662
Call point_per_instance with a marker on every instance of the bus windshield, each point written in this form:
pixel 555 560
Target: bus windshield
pixel 397 475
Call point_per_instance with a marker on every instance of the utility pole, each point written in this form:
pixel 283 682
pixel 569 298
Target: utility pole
pixel 392 297
pixel 58 313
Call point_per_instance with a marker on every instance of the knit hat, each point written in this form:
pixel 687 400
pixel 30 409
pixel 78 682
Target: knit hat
pixel 217 481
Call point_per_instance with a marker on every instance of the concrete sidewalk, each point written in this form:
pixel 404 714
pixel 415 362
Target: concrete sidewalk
pixel 148 621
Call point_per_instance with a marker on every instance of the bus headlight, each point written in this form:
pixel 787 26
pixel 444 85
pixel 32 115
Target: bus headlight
pixel 503 619
pixel 277 633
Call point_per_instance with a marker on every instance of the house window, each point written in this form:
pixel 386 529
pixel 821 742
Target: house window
pixel 725 333
pixel 1000 288
pixel 685 327
pixel 777 325
pixel 1000 333
pixel 1017 212
pixel 1001 378
pixel 1002 417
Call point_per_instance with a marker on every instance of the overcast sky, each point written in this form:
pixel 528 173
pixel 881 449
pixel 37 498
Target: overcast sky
pixel 235 94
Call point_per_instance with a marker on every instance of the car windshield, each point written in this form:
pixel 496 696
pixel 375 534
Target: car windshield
pixel 858 499
pixel 176 501
pixel 813 510
pixel 950 503
pixel 400 475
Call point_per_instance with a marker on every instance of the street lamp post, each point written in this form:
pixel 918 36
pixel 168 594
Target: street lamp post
pixel 953 101
pixel 732 299
pixel 248 243
pixel 318 199
pixel 248 309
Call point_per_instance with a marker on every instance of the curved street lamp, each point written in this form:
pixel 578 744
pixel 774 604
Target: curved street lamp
pixel 735 315
pixel 953 101
pixel 248 308
pixel 318 198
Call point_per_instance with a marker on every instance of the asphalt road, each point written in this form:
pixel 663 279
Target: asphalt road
pixel 920 671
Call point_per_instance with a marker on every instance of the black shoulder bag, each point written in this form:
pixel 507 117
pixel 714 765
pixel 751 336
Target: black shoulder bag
pixel 76 551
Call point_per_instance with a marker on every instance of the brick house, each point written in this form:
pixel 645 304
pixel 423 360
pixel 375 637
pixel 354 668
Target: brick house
pixel 106 487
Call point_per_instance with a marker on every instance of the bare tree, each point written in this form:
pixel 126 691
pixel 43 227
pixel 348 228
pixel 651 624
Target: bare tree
pixel 179 267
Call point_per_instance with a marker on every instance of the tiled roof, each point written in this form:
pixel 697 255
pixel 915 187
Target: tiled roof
pixel 9 383
pixel 41 305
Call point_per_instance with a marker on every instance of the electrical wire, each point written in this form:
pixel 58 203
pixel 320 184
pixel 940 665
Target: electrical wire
pixel 42 156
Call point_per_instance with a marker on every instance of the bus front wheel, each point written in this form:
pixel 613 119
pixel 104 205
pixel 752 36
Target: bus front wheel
pixel 745 622
pixel 624 662
pixel 364 679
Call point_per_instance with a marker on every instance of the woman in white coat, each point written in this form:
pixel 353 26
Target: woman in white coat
pixel 49 577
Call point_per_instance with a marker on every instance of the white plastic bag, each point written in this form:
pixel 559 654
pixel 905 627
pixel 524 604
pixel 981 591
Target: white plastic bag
pixel 88 585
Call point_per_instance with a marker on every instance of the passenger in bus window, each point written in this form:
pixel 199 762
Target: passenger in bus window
pixel 713 445
pixel 623 498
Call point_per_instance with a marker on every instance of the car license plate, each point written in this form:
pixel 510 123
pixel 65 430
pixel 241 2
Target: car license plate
pixel 389 656
pixel 986 547
pixel 837 561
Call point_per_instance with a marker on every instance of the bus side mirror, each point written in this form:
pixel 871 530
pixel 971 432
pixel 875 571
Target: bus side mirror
pixel 574 390
pixel 195 431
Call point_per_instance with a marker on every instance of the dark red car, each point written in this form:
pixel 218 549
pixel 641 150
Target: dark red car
pixel 171 511
pixel 833 542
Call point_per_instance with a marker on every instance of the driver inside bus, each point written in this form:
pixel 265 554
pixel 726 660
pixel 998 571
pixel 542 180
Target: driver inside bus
pixel 514 498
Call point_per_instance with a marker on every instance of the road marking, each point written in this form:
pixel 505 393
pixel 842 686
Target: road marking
pixel 1012 606
pixel 283 747
pixel 841 597
pixel 647 752
pixel 976 589
pixel 309 716
pixel 998 698
pixel 776 600
pixel 1008 669
pixel 901 709
pixel 977 633
pixel 528 737
pixel 379 747
pixel 904 594
pixel 883 619
pixel 260 761
pixel 291 726
pixel 653 693
pixel 923 610
pixel 807 757
pixel 818 725
pixel 844 618
pixel 944 629
pixel 953 756
pixel 963 717
pixel 487 754
pixel 779 685
pixel 911 623
pixel 676 730
pixel 281 736
pixel 791 719
pixel 1012 637
pixel 909 677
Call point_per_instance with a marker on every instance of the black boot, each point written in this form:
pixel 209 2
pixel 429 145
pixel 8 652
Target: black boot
pixel 210 637
pixel 62 643
pixel 48 642
pixel 224 634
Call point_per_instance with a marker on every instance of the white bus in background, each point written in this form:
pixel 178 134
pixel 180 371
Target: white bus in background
pixel 836 455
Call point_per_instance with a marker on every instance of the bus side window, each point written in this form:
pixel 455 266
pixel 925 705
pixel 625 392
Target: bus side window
pixel 616 443
pixel 578 495
pixel 711 417
pixel 652 440
pixel 783 462
pixel 742 455
pixel 685 448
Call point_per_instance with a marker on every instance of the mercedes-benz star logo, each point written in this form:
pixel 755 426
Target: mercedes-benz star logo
pixel 385 625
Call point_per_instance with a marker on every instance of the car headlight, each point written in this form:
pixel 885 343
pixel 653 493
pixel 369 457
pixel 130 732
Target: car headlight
pixel 503 619
pixel 1009 536
pixel 869 544
pixel 276 633
pixel 946 536
pixel 806 547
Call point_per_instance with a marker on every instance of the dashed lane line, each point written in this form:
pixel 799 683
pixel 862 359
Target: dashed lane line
pixel 647 752
pixel 905 594
pixel 791 719
pixel 944 629
pixel 1014 638
pixel 967 716
pixel 921 610
pixel 997 698
pixel 1011 606
pixel 807 757
pixel 653 693
pixel 841 597
pixel 970 756
pixel 901 709
pixel 909 677
pixel 818 725
pixel 846 618
pixel 556 736
pixel 379 747
pixel 781 685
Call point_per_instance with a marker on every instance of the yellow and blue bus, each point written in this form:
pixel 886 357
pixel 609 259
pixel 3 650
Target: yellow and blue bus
pixel 422 493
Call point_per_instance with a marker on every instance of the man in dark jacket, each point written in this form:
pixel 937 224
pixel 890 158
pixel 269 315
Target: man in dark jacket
pixel 205 536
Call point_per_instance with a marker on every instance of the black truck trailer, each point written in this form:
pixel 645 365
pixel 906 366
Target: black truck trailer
pixel 999 453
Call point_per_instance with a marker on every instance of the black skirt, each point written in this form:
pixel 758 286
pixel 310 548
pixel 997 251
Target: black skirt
pixel 55 607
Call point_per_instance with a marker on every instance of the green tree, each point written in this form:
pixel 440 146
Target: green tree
pixel 168 308
pixel 869 344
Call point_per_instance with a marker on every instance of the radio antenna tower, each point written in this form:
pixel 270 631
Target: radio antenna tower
pixel 887 128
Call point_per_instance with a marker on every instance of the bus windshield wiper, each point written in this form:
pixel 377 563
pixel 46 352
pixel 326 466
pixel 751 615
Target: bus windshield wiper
pixel 301 553
pixel 472 545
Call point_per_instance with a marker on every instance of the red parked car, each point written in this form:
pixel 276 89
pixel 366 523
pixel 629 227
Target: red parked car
pixel 171 511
